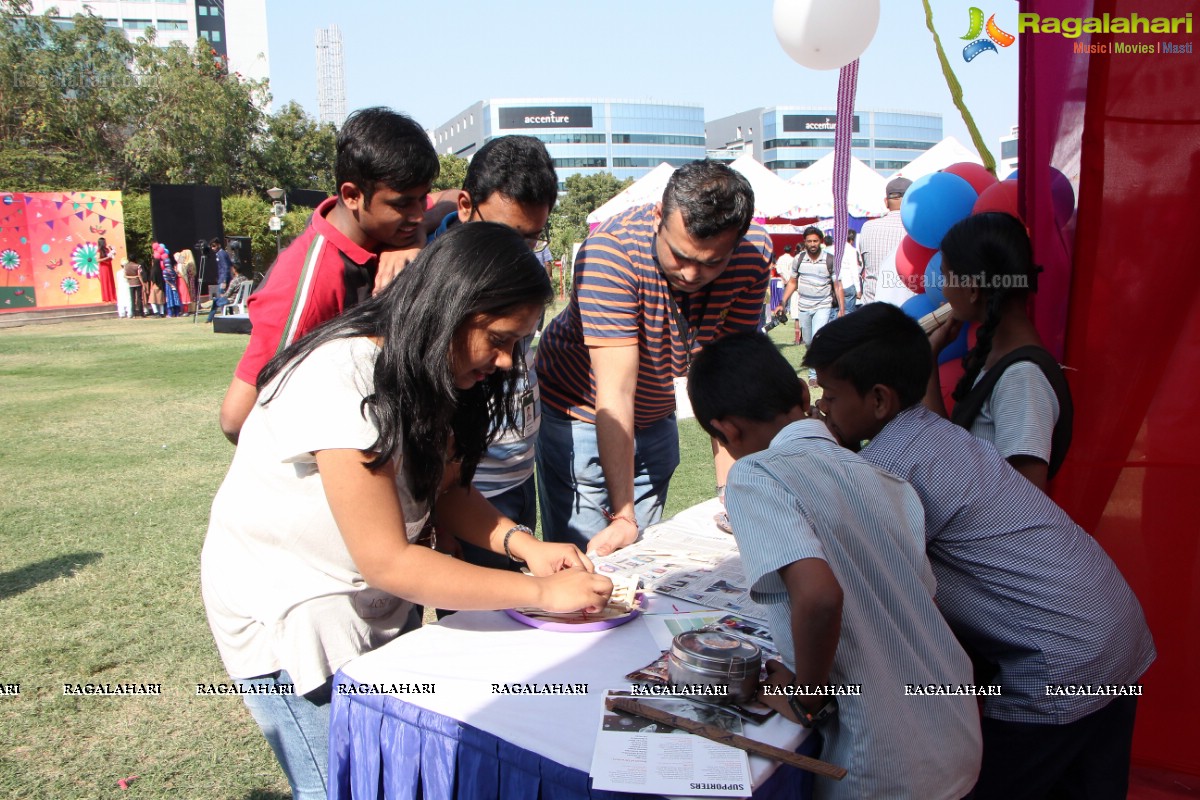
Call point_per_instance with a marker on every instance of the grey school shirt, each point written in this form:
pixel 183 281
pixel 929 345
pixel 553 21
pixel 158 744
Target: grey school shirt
pixel 1018 581
pixel 806 497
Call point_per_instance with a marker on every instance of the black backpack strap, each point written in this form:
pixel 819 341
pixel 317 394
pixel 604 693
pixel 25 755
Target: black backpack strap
pixel 968 409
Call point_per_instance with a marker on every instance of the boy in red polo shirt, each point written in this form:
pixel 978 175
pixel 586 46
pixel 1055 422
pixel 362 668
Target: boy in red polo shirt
pixel 385 165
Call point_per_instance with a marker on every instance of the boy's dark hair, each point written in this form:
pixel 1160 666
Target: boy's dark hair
pixel 378 146
pixel 877 344
pixel 519 167
pixel 813 230
pixel 742 375
pixel 993 250
pixel 711 198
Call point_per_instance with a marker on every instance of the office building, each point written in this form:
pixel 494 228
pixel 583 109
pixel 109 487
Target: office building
pixel 236 30
pixel 1008 153
pixel 786 139
pixel 584 135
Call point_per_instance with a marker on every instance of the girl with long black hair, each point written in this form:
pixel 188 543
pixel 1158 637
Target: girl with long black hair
pixel 1012 392
pixel 312 554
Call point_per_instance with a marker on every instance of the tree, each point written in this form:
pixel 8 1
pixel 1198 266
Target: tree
pixel 64 119
pixel 296 151
pixel 138 230
pixel 452 174
pixel 247 214
pixel 196 122
pixel 585 193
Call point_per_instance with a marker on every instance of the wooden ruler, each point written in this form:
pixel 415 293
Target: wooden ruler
pixel 631 706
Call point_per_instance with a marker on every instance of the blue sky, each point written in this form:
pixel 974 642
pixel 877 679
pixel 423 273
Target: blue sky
pixel 432 60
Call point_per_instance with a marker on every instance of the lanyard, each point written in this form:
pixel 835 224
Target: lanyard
pixel 686 331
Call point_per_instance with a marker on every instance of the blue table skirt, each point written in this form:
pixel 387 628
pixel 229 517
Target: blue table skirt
pixel 776 292
pixel 383 747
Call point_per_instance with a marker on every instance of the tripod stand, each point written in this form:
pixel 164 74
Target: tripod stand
pixel 201 269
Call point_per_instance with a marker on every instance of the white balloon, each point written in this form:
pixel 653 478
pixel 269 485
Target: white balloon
pixel 825 34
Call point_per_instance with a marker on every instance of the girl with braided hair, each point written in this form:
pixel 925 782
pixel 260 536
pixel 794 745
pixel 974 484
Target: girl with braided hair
pixel 1012 392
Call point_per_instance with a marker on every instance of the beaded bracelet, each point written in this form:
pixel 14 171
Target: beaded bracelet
pixel 507 536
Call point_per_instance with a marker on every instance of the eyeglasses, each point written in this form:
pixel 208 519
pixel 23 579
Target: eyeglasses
pixel 531 242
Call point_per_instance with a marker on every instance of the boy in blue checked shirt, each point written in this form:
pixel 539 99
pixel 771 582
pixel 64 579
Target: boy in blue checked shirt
pixel 1029 593
pixel 846 584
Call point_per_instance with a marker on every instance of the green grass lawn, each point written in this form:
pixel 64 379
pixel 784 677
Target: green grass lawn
pixel 110 455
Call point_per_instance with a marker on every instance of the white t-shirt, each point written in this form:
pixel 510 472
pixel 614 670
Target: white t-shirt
pixel 1020 415
pixel 850 269
pixel 279 586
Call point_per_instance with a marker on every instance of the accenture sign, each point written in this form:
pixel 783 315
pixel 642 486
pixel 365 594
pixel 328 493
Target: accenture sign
pixel 794 123
pixel 546 117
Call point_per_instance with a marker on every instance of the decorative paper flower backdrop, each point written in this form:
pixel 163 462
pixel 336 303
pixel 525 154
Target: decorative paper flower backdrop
pixel 85 259
pixel 69 286
pixel 10 260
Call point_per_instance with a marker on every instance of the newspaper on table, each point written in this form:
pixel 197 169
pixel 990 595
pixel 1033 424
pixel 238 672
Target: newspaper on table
pixel 686 560
pixel 636 755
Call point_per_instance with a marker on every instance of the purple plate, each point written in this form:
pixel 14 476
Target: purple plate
pixel 563 626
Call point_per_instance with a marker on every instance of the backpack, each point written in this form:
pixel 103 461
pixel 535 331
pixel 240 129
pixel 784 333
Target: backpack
pixel 966 410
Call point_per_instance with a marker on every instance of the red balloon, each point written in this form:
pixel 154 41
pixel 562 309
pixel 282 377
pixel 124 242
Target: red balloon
pixel 998 197
pixel 974 174
pixel 911 260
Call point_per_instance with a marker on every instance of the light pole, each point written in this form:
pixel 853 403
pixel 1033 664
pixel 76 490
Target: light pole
pixel 278 209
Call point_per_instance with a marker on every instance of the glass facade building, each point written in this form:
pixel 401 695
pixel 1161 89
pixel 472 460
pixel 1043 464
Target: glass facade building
pixel 236 31
pixel 787 139
pixel 625 137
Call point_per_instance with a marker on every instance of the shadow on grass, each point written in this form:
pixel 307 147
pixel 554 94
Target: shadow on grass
pixel 268 794
pixel 25 578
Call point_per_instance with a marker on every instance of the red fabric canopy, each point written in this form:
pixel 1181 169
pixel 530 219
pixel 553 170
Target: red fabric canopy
pixel 1128 125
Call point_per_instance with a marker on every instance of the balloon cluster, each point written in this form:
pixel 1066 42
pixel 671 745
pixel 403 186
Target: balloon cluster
pixel 159 252
pixel 932 205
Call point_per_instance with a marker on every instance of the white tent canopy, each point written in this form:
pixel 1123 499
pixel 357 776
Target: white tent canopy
pixel 946 152
pixel 646 189
pixel 814 190
pixel 773 197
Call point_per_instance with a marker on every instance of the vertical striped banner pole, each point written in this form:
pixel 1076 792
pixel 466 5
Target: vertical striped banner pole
pixel 842 140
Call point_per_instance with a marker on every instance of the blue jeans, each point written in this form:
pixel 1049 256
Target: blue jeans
pixel 518 504
pixel 297 728
pixel 217 304
pixel 572 493
pixel 810 322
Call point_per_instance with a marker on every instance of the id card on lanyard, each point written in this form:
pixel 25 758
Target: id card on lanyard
pixel 526 410
pixel 683 403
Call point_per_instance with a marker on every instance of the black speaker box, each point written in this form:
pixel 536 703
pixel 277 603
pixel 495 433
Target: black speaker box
pixel 182 215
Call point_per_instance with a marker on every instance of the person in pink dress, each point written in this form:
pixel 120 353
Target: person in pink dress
pixel 185 265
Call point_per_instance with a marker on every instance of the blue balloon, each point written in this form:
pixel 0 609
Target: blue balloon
pixel 1012 176
pixel 918 306
pixel 933 204
pixel 956 349
pixel 933 279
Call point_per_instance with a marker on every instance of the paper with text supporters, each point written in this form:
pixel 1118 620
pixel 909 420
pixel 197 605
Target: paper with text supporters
pixel 636 755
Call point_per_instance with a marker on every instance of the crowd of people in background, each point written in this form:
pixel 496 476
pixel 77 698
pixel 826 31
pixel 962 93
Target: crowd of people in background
pixel 167 285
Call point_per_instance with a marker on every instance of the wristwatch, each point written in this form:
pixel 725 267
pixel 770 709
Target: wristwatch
pixel 811 719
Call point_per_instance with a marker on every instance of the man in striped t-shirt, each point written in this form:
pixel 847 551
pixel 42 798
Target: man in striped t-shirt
pixel 385 165
pixel 652 286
